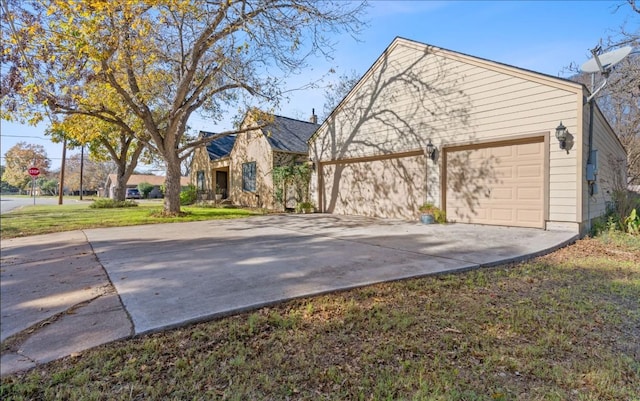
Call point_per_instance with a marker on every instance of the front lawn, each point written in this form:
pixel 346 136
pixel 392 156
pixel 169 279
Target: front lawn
pixel 565 326
pixel 33 220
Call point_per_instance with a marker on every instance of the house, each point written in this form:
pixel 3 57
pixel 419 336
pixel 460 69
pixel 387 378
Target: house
pixel 156 180
pixel 240 167
pixel 475 137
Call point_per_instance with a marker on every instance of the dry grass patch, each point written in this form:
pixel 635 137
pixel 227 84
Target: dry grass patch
pixel 561 327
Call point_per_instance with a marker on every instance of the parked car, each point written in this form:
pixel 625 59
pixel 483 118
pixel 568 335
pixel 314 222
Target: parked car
pixel 132 193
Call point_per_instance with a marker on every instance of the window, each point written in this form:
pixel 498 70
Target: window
pixel 200 180
pixel 249 176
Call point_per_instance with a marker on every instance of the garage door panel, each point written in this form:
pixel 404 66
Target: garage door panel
pixel 504 215
pixel 529 215
pixel 529 170
pixel 529 194
pixel 530 149
pixel 505 194
pixel 504 152
pixel 500 184
pixel 505 173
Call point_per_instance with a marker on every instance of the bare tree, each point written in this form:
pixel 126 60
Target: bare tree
pixel 619 100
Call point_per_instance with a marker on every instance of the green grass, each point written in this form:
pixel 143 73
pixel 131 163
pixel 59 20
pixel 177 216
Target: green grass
pixel 565 326
pixel 33 220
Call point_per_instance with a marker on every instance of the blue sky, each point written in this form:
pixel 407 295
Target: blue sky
pixel 542 36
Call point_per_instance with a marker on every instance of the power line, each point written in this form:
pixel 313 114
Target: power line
pixel 25 136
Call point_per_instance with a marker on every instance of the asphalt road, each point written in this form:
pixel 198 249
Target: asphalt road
pixel 9 203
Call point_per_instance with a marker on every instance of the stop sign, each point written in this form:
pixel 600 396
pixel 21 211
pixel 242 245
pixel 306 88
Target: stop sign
pixel 34 171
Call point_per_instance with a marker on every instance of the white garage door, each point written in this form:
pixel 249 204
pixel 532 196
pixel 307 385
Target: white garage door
pixel 393 187
pixel 497 185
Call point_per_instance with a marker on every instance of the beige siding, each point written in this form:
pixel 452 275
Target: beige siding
pixel 201 162
pixel 415 93
pixel 611 166
pixel 252 147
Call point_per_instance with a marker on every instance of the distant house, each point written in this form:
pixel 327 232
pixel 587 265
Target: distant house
pixel 156 180
pixel 240 167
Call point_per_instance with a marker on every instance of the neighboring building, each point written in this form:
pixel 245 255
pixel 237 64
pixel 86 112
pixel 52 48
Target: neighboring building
pixel 135 179
pixel 492 126
pixel 240 167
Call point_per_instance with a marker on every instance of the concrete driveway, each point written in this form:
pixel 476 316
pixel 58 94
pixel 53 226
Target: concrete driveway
pixel 169 275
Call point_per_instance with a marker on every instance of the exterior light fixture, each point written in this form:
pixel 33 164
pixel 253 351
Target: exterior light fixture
pixel 431 150
pixel 561 135
pixel 313 165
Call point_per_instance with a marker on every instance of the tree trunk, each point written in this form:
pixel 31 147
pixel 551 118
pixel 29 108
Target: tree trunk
pixel 172 187
pixel 120 190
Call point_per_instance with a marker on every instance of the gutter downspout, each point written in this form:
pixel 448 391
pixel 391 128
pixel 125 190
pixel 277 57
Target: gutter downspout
pixel 590 99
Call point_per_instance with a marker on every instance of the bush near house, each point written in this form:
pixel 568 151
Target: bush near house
pixel 145 189
pixel 623 214
pixel 108 203
pixel 439 215
pixel 189 195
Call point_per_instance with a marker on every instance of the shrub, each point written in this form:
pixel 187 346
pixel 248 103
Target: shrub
pixel 632 223
pixel 108 203
pixel 306 207
pixel 189 195
pixel 145 189
pixel 439 215
pixel 622 215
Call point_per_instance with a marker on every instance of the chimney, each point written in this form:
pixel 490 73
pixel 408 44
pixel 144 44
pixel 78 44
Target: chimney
pixel 314 118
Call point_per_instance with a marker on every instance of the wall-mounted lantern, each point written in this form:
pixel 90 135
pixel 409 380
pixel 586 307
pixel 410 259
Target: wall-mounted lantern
pixel 561 135
pixel 431 150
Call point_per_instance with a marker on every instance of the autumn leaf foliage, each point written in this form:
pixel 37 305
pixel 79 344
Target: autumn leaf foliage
pixel 147 66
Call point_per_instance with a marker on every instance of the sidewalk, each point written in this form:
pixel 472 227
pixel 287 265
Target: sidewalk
pixel 56 300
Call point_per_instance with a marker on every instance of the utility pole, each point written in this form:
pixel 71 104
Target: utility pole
pixel 64 157
pixel 81 168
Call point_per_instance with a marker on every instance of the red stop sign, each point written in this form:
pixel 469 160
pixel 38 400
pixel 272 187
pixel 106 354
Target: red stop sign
pixel 34 171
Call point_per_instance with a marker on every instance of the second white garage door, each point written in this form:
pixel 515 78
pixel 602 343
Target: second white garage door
pixel 499 184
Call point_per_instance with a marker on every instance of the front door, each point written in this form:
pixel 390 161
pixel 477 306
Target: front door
pixel 221 183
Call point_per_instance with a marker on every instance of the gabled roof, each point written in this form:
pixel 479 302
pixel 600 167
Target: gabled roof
pixel 220 147
pixel 289 135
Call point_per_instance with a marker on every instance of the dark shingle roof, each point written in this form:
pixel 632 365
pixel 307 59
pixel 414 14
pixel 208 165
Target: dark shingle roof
pixel 221 147
pixel 289 135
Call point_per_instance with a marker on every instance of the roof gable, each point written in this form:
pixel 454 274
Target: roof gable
pixel 541 78
pixel 219 147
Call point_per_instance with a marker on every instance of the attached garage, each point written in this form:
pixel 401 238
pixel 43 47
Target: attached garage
pixel 497 159
pixel 496 183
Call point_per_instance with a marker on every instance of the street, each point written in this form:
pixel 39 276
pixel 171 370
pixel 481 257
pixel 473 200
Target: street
pixel 9 203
